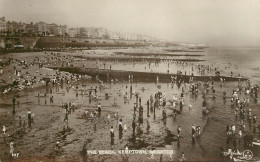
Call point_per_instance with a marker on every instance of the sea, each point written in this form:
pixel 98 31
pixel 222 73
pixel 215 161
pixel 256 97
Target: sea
pixel 241 60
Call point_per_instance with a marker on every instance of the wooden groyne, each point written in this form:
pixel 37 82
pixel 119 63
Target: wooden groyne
pixel 183 50
pixel 155 54
pixel 137 59
pixel 121 75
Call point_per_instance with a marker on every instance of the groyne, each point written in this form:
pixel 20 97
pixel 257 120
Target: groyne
pixel 121 75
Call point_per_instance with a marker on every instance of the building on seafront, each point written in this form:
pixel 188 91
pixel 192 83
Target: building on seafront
pixel 18 35
pixel 41 29
pixel 2 25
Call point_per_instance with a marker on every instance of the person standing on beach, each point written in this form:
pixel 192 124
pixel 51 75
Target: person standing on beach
pixel 135 106
pixel 11 148
pixel 20 120
pixel 193 131
pixel 131 90
pixel 136 97
pixel 224 95
pixel 254 118
pixel 164 114
pixel 182 157
pixel 120 129
pixel 13 105
pixel 178 131
pixel 204 103
pixel 4 129
pixel 190 107
pixel 181 104
pixel 233 129
pixel 155 103
pixel 133 126
pixel 255 90
pixel 235 144
pixel 125 128
pixel 198 130
pixel 240 134
pixel 29 118
pixel 108 119
pixel 18 101
pixel 112 135
pixel 214 93
pixel 148 108
pixel 99 109
pixel 140 115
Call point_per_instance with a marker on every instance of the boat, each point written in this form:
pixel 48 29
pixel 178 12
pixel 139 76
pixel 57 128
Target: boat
pixel 256 143
pixel 227 153
pixel 239 159
pixel 244 159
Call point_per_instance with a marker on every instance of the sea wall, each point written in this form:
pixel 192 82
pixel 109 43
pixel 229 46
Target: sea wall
pixel 10 42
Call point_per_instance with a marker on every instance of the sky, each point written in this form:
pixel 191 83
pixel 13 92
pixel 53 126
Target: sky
pixel 212 22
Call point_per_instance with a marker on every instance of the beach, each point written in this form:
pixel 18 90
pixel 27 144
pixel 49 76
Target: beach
pixel 142 75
